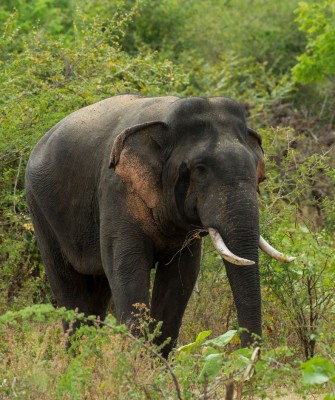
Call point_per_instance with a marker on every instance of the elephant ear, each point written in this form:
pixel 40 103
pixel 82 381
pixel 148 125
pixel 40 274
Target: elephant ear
pixel 255 142
pixel 137 157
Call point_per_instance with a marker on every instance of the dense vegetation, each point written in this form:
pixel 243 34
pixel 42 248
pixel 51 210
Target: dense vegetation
pixel 278 60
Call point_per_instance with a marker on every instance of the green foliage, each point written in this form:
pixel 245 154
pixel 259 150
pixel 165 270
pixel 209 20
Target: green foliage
pixel 158 25
pixel 188 348
pixel 38 313
pixel 54 17
pixel 304 288
pixel 318 371
pixel 208 38
pixel 317 20
pixel 208 29
pixel 207 362
pixel 46 370
pixel 243 79
pixel 221 340
pixel 103 363
pixel 213 356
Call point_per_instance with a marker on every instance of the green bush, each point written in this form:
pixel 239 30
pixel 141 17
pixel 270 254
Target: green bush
pixel 297 222
pixel 108 362
pixel 317 20
pixel 209 29
pixel 54 17
pixel 315 67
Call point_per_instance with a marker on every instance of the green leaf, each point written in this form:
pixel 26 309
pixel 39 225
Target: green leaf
pixel 222 340
pixel 211 368
pixel 317 371
pixel 202 336
pixel 198 342
pixel 207 350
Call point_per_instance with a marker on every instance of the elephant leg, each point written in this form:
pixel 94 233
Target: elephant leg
pixel 128 264
pixel 172 289
pixel 89 294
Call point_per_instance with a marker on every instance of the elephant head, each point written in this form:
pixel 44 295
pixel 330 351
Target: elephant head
pixel 199 167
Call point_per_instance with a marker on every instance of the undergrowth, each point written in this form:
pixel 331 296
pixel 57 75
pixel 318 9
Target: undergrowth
pixel 106 361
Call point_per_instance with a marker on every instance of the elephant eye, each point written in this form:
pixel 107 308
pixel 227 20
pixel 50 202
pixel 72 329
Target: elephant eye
pixel 200 168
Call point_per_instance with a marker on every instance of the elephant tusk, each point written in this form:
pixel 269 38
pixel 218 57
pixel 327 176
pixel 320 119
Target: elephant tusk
pixel 224 251
pixel 268 249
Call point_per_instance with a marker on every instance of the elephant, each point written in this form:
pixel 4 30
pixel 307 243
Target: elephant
pixel 132 183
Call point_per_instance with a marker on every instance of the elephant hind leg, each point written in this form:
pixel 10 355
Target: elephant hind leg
pixel 89 294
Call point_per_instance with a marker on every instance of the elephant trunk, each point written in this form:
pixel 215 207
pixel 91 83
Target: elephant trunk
pixel 239 230
pixel 245 285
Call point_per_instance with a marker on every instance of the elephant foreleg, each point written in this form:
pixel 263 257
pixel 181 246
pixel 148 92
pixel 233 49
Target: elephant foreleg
pixel 128 265
pixel 172 289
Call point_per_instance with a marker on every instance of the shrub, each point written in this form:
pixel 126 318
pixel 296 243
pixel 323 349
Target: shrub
pixel 294 219
pixel 108 362
pixel 317 20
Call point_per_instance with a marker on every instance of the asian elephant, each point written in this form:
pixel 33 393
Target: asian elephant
pixel 117 188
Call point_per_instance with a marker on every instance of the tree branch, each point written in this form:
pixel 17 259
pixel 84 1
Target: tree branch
pixel 239 386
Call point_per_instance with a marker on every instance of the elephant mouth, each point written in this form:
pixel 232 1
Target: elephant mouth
pixel 232 258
